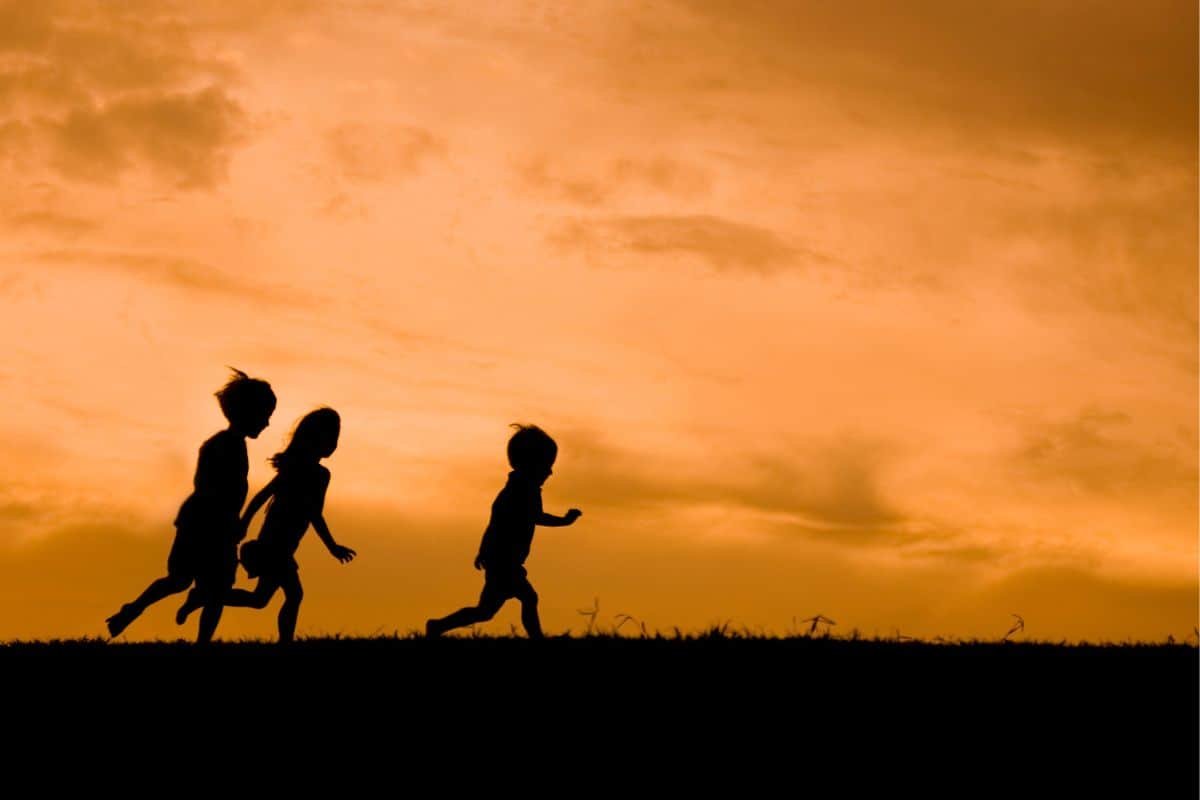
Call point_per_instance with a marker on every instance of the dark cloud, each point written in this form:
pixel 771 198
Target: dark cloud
pixel 830 488
pixel 1098 452
pixel 186 138
pixel 1096 74
pixel 95 90
pixel 372 153
pixel 17 512
pixel 722 244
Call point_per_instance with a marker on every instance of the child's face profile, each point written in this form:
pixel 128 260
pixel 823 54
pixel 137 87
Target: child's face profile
pixel 330 444
pixel 256 424
pixel 543 471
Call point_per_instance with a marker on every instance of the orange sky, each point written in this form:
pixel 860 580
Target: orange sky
pixel 887 312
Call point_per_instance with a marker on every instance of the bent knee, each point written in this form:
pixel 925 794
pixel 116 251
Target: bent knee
pixel 486 612
pixel 261 600
pixel 177 582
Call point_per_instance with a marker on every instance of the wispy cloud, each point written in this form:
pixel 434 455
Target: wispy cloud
pixel 377 153
pixel 589 186
pixel 1098 451
pixel 722 244
pixel 168 270
pixel 66 225
pixel 824 488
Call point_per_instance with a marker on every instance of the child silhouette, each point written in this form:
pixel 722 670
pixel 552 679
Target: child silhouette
pixel 297 494
pixel 206 528
pixel 509 535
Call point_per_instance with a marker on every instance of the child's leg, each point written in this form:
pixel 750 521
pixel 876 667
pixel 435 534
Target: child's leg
pixel 529 609
pixel 213 585
pixel 490 602
pixel 209 617
pixel 259 598
pixel 293 593
pixel 163 587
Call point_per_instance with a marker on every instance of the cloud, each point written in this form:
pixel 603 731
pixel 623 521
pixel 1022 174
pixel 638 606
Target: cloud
pixel 1020 70
pixel 722 244
pixel 93 91
pixel 591 187
pixel 1099 451
pixel 539 175
pixel 375 153
pixel 186 138
pixel 173 271
pixel 51 222
pixel 824 488
pixel 1123 243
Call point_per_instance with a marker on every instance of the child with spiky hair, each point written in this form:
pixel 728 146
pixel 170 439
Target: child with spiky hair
pixel 207 527
pixel 297 495
pixel 509 535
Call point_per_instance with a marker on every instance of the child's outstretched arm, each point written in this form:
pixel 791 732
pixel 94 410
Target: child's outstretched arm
pixel 255 504
pixel 551 521
pixel 341 553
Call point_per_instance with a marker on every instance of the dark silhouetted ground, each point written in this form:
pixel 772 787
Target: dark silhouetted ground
pixel 1039 719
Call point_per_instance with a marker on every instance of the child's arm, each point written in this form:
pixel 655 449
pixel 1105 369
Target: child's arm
pixel 551 521
pixel 342 554
pixel 480 562
pixel 255 504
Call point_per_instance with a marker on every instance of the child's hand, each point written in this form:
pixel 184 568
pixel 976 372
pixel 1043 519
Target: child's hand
pixel 572 515
pixel 342 554
pixel 479 562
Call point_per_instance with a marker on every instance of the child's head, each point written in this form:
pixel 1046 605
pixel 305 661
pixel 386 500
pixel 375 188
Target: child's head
pixel 315 437
pixel 532 451
pixel 247 403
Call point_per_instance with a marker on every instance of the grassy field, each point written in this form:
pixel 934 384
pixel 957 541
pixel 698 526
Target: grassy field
pixel 1073 712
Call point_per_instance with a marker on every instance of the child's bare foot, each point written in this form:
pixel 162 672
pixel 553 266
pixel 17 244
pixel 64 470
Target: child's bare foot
pixel 432 629
pixel 120 621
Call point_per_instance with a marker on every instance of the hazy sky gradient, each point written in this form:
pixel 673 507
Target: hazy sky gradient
pixel 887 312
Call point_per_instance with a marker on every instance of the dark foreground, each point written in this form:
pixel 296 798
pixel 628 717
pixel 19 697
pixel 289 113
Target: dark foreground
pixel 1044 718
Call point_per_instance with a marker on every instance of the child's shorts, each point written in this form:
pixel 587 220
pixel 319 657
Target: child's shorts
pixel 263 561
pixel 504 583
pixel 202 555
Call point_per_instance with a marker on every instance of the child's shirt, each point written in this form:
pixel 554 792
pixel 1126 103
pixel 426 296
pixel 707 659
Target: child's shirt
pixel 220 485
pixel 509 533
pixel 299 496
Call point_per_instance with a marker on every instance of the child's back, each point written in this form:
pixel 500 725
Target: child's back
pixel 299 496
pixel 220 485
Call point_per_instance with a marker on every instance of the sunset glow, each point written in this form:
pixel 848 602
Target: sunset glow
pixel 881 311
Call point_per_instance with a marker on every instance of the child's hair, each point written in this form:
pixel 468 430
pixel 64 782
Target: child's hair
pixel 531 448
pixel 315 431
pixel 244 399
